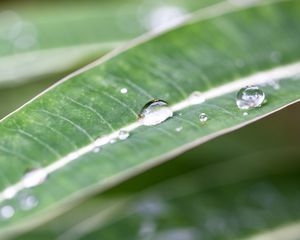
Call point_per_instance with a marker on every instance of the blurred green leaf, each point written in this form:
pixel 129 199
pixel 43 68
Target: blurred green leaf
pixel 215 51
pixel 42 39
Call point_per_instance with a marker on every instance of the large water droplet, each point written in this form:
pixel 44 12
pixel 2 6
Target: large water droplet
pixel 34 177
pixel 203 117
pixel 196 98
pixel 155 112
pixel 123 134
pixel 6 212
pixel 250 97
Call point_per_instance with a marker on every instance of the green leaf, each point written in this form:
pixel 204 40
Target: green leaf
pixel 45 39
pixel 58 130
pixel 249 179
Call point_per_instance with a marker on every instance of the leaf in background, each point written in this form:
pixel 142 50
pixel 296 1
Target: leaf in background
pixel 43 38
pixel 217 51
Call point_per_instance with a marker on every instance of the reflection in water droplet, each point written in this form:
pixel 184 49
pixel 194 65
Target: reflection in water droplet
pixel 124 90
pixel 164 17
pixel 178 129
pixel 34 177
pixel 9 192
pixel 123 134
pixel 250 97
pixel 28 202
pixel 245 114
pixel 155 112
pixel 196 98
pixel 6 212
pixel 203 117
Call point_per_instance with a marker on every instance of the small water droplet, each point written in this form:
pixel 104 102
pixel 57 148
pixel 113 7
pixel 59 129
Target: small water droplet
pixel 112 141
pixel 203 117
pixel 196 98
pixel 178 129
pixel 9 192
pixel 6 212
pixel 124 90
pixel 249 97
pixel 123 134
pixel 155 112
pixel 34 177
pixel 28 202
pixel 245 114
pixel 96 149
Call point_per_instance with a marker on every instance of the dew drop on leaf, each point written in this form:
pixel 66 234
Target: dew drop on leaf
pixel 245 114
pixel 203 117
pixel 9 192
pixel 6 212
pixel 123 134
pixel 178 129
pixel 155 112
pixel 28 202
pixel 250 97
pixel 124 90
pixel 34 177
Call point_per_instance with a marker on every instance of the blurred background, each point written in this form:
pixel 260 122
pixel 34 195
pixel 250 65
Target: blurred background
pixel 246 181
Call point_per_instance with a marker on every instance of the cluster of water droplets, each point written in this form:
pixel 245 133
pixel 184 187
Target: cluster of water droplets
pixel 153 113
pixel 25 202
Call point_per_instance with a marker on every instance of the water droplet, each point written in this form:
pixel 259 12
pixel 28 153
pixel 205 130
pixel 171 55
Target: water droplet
pixel 34 177
pixel 96 149
pixel 203 117
pixel 112 141
pixel 155 112
pixel 28 202
pixel 123 134
pixel 124 90
pixel 250 97
pixel 178 129
pixel 196 98
pixel 245 114
pixel 7 212
pixel 9 192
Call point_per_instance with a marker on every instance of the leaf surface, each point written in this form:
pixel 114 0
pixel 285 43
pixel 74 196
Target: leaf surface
pixel 215 51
